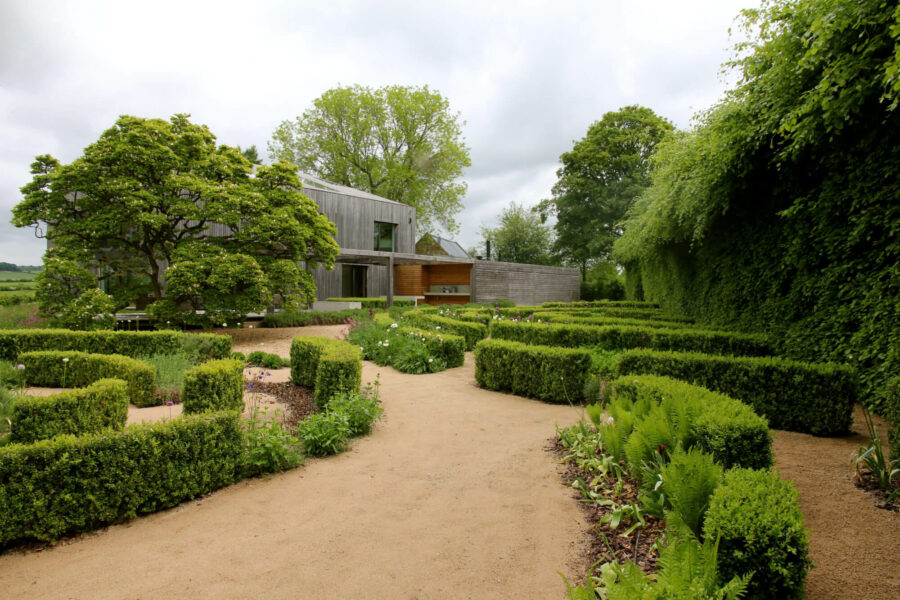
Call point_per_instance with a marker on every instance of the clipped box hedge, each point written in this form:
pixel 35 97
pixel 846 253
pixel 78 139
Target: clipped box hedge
pixel 726 428
pixel 814 398
pixel 757 519
pixel 214 386
pixel 644 314
pixel 549 373
pixel 326 364
pixel 601 321
pixel 51 369
pixel 601 303
pixel 374 302
pixel 471 332
pixel 71 483
pixel 449 348
pixel 620 338
pixel 101 405
pixel 126 343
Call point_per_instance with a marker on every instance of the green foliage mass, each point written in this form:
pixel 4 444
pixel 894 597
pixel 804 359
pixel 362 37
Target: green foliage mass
pixel 149 193
pixel 779 212
pixel 101 405
pixel 519 237
pixel 328 365
pixel 69 484
pixel 795 396
pixel 400 142
pixel 214 386
pixel 598 181
pixel 471 332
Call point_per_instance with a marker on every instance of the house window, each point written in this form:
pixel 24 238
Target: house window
pixel 353 281
pixel 384 236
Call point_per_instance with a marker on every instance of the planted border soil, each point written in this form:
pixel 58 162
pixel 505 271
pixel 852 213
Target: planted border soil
pixel 299 400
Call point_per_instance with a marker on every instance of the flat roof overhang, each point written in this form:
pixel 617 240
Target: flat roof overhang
pixel 376 257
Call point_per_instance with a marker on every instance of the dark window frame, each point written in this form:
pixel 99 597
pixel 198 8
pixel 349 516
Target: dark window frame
pixel 380 227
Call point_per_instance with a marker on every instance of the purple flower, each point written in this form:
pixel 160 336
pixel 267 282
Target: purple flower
pixel 20 367
pixel 169 403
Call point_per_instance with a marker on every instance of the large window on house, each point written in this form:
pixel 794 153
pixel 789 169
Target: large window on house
pixel 384 236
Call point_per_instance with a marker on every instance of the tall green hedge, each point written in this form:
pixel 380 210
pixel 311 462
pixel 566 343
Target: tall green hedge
pixel 101 405
pixel 796 396
pixel 326 364
pixel 69 484
pixel 213 386
pixel 471 332
pixel 620 337
pixel 549 373
pixel 449 348
pixel 757 519
pixel 77 369
pixel 726 428
pixel 127 343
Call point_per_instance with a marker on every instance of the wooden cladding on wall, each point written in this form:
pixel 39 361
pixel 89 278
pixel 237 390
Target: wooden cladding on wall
pixel 523 284
pixel 355 219
pixel 408 280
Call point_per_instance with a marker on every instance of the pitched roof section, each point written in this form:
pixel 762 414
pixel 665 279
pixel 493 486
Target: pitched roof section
pixel 426 245
pixel 314 182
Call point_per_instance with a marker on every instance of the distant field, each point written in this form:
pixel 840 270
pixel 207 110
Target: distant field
pixel 16 286
pixel 17 275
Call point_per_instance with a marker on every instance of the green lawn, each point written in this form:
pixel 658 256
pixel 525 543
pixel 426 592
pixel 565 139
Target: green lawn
pixel 17 275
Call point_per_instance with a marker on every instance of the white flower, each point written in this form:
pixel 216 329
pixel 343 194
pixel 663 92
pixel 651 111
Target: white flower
pixel 438 327
pixel 224 324
pixel 386 344
pixel 430 360
pixel 65 360
pixel 394 325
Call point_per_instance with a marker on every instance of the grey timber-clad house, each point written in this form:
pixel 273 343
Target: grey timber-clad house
pixel 378 257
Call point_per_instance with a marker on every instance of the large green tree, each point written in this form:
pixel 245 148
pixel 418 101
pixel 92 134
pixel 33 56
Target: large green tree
pixel 780 211
pixel 152 195
pixel 599 180
pixel 519 237
pixel 400 142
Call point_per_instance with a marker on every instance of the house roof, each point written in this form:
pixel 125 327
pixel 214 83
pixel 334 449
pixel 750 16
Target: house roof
pixel 451 248
pixel 311 181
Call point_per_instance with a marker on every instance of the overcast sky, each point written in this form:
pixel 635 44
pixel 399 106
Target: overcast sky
pixel 527 77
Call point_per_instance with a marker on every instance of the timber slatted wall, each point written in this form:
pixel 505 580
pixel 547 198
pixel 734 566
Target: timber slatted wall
pixel 355 219
pixel 523 284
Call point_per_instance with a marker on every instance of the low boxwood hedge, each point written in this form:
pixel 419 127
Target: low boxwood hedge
pixel 213 386
pixel 471 332
pixel 620 338
pixel 53 368
pixel 601 303
pixel 451 349
pixel 126 343
pixel 326 364
pixel 601 321
pixel 375 302
pixel 549 373
pixel 644 314
pixel 757 520
pixel 75 483
pixel 101 405
pixel 814 398
pixel 726 428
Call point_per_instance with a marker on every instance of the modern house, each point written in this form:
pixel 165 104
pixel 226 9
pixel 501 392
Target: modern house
pixel 378 257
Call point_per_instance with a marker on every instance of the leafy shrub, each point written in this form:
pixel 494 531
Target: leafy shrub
pixel 101 405
pixel 92 310
pixel 127 343
pixel 270 447
pixel 549 373
pixel 756 517
pixel 726 428
pixel 238 356
pixel 325 364
pixel 688 481
pixel 620 337
pixel 79 369
pixel 795 396
pixel 375 302
pixel 448 348
pixel 258 358
pixel 214 386
pixel 412 355
pixel 361 410
pixel 324 433
pixel 302 318
pixel 892 411
pixel 68 484
pixel 255 358
pixel 471 332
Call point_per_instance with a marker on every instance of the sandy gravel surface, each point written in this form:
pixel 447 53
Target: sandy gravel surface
pixel 276 340
pixel 452 496
pixel 854 545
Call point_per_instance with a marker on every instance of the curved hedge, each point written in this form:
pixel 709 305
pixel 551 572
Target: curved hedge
pixel 726 428
pixel 757 519
pixel 101 405
pixel 326 364
pixel 69 484
pixel 78 369
pixel 549 373
pixel 619 337
pixel 471 332
pixel 126 343
pixel 213 386
pixel 449 348
pixel 814 398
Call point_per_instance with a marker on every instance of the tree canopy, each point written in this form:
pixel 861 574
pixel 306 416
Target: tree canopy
pixel 154 200
pixel 520 237
pixel 599 180
pixel 400 142
pixel 779 211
